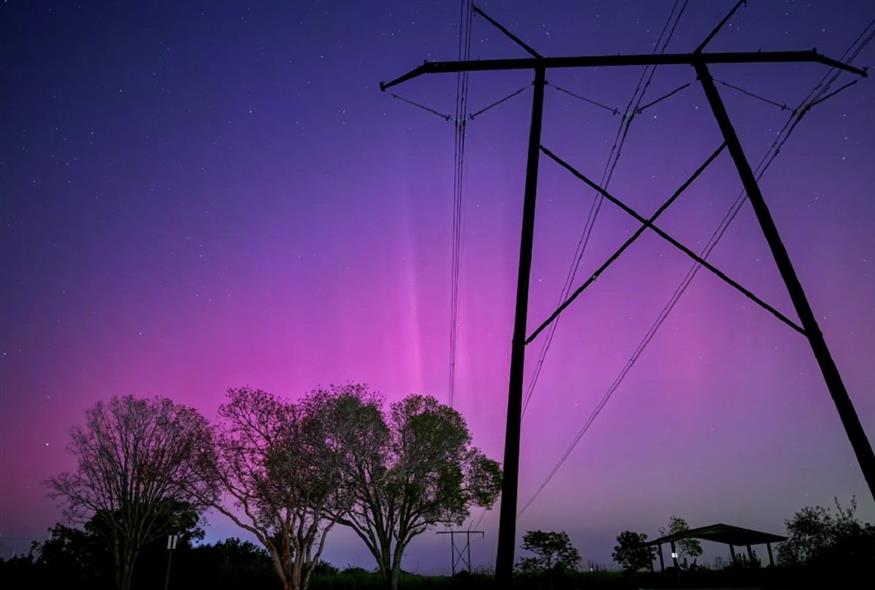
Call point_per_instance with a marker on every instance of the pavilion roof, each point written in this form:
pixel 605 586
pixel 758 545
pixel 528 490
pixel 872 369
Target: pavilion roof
pixel 722 533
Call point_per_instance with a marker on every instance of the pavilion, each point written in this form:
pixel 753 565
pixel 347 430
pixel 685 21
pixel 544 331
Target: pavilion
pixel 721 533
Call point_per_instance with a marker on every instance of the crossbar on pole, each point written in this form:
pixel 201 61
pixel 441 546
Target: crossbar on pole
pixel 594 61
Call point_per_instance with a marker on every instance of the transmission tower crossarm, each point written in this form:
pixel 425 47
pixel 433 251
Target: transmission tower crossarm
pixel 592 61
pixel 668 238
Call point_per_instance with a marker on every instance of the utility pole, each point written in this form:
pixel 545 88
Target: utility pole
pixel 462 555
pixel 510 481
pixel 699 60
pixel 171 545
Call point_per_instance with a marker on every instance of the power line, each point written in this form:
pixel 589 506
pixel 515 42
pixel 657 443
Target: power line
pixel 421 106
pixel 464 52
pixel 476 114
pixel 612 110
pixel 662 98
pixel 662 41
pixel 781 106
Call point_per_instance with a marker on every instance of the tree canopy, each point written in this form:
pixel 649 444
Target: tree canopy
pixel 285 472
pixel 553 553
pixel 136 465
pixel 405 470
pixel 819 536
pixel 631 553
pixel 273 461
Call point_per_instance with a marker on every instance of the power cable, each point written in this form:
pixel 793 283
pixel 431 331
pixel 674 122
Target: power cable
pixel 421 106
pixel 634 104
pixel 476 114
pixel 612 110
pixel 781 106
pixel 464 52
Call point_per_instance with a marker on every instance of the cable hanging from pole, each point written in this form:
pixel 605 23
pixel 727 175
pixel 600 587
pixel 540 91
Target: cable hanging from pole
pixel 476 114
pixel 781 106
pixel 436 112
pixel 612 110
pixel 662 42
pixel 460 121
pixel 661 98
pixel 817 95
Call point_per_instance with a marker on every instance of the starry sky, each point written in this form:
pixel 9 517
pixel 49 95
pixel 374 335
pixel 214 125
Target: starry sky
pixel 200 195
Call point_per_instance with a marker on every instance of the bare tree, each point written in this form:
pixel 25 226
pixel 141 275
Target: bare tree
pixel 273 464
pixel 405 473
pixel 135 471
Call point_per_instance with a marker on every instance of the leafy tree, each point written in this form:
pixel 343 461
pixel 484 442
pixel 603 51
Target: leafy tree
pixel 273 462
pixel 631 552
pixel 821 536
pixel 686 547
pixel 80 557
pixel 136 466
pixel 75 557
pixel 324 568
pixel 404 471
pixel 553 553
pixel 230 564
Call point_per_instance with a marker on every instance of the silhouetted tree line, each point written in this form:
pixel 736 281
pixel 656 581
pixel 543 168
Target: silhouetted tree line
pixel 79 558
pixel 285 472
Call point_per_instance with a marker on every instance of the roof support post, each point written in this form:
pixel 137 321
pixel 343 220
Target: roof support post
pixel 771 559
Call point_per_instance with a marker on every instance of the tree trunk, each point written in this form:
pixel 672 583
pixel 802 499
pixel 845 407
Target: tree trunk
pixel 125 575
pixel 394 575
pixel 125 559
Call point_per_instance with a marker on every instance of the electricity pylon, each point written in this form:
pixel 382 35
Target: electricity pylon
pixel 700 61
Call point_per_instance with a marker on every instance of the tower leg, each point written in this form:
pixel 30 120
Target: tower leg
pixel 510 479
pixel 843 404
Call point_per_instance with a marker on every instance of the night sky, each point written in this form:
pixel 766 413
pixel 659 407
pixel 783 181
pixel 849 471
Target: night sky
pixel 200 195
